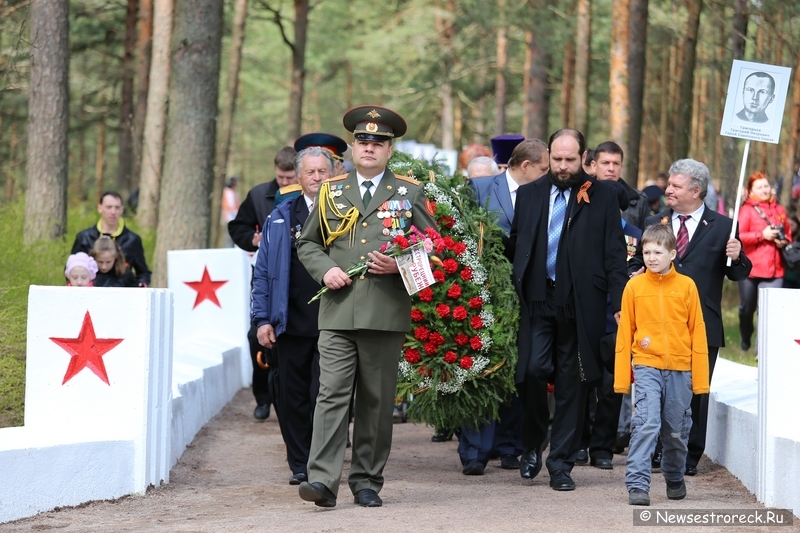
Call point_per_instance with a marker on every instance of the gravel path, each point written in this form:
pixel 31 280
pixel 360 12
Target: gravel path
pixel 234 478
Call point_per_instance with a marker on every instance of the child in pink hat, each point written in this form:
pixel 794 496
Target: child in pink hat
pixel 81 270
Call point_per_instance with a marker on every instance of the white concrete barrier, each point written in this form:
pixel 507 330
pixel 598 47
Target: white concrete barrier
pixel 97 399
pixel 778 398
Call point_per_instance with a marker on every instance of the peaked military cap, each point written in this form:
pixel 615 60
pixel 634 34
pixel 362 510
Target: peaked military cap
pixel 503 145
pixel 335 145
pixel 373 123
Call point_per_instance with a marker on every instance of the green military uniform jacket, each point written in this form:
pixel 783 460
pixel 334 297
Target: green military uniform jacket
pixel 376 302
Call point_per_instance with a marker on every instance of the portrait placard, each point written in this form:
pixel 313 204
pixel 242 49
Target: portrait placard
pixel 755 101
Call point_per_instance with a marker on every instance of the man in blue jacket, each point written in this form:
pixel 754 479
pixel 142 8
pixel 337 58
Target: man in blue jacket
pixel 285 320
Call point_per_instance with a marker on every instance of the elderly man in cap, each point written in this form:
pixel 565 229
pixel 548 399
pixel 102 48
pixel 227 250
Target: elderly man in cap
pixel 363 321
pixel 502 146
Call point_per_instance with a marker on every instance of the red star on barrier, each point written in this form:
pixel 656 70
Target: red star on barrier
pixel 86 351
pixel 206 289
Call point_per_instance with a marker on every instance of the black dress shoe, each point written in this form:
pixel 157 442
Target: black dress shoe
pixel 261 412
pixel 603 463
pixel 582 458
pixel 655 462
pixel 691 470
pixel 318 493
pixel 442 435
pixel 530 464
pixel 744 345
pixel 561 480
pixel 473 467
pixel 509 462
pixel 298 478
pixel 368 498
pixel 622 441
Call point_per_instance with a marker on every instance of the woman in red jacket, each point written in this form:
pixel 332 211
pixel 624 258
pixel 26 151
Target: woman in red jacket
pixel 764 230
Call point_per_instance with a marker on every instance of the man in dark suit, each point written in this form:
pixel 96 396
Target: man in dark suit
pixel 528 162
pixel 286 321
pixel 607 165
pixel 569 258
pixel 704 247
pixel 245 230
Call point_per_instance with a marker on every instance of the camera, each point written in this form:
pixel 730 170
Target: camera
pixel 781 235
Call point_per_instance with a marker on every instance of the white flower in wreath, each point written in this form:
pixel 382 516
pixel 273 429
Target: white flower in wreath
pixel 402 191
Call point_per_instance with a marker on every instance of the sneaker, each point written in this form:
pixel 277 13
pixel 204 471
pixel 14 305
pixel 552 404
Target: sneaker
pixel 676 490
pixel 638 497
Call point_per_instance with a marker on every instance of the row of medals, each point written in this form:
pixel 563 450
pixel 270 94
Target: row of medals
pixel 394 214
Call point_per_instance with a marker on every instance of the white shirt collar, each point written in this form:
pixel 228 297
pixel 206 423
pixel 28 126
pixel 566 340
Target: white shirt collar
pixel 694 216
pixel 309 202
pixel 375 181
pixel 512 185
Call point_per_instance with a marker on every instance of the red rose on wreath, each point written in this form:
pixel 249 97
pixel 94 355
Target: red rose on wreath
pixel 476 303
pixel 466 363
pixel 447 221
pixel 449 242
pixel 450 265
pixel 439 276
pixel 430 348
pixel 426 294
pixel 476 343
pixel 412 356
pixel 401 241
pixel 460 312
pixel 459 248
pixel 443 310
pixel 417 315
pixel 450 357
pixel 476 322
pixel 466 274
pixel 461 339
pixel 437 338
pixel 421 333
pixel 454 291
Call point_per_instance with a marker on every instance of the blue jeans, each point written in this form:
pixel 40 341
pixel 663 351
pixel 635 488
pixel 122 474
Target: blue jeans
pixel 662 404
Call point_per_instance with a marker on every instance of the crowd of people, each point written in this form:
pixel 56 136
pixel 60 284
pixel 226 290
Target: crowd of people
pixel 617 286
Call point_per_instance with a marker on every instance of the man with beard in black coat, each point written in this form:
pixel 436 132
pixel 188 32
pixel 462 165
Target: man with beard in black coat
pixel 569 258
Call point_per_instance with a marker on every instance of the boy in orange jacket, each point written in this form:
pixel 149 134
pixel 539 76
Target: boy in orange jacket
pixel 661 328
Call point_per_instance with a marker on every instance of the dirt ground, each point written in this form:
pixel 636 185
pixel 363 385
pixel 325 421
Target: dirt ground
pixel 234 478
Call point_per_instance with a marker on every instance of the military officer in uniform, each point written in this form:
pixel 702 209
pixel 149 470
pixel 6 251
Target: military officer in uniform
pixel 362 321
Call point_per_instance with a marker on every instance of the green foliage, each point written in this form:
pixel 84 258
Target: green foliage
pixel 20 267
pixel 460 357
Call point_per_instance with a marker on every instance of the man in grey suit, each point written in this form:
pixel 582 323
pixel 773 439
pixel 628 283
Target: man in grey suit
pixel 363 321
pixel 528 162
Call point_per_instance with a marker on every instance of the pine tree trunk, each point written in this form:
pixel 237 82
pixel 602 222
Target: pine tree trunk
pixel 583 51
pixel 155 122
pixel 48 121
pixel 636 74
pixel 730 153
pixel 224 135
pixel 144 47
pixel 790 145
pixel 184 206
pixel 125 154
pixel 536 109
pixel 500 88
pixel 620 36
pixel 100 154
pixel 445 26
pixel 567 115
pixel 298 71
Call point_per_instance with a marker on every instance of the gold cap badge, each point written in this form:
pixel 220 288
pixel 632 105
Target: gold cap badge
pixel 373 114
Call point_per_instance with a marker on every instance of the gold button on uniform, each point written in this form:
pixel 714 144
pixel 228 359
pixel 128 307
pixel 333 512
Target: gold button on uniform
pixel 363 241
pixel 364 224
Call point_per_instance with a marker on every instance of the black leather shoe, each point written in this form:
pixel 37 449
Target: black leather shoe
pixel 318 493
pixel 561 480
pixel 509 462
pixel 744 345
pixel 298 478
pixel 442 435
pixel 655 462
pixel 603 463
pixel 530 464
pixel 368 498
pixel 622 441
pixel 582 458
pixel 261 412
pixel 691 470
pixel 473 467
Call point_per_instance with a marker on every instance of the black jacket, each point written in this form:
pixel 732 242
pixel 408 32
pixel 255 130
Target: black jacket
pixel 110 280
pixel 638 208
pixel 129 243
pixel 252 214
pixel 706 263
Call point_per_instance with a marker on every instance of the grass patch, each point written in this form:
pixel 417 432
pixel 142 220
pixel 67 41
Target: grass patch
pixel 730 323
pixel 21 266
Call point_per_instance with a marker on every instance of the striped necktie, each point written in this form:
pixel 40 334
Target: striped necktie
pixel 683 235
pixel 554 233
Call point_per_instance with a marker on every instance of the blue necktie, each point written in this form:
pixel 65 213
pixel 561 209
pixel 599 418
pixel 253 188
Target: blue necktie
pixel 554 233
